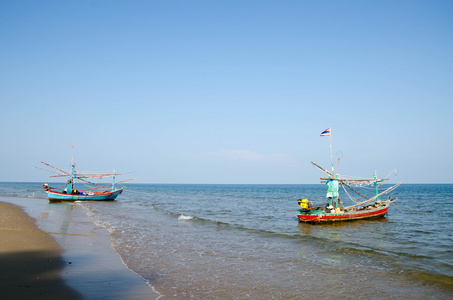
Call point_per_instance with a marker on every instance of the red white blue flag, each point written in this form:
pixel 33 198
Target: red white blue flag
pixel 326 132
pixel 72 146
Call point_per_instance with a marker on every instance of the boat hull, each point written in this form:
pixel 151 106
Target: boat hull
pixel 96 196
pixel 312 216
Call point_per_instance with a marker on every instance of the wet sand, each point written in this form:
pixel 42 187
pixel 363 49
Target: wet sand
pixel 30 260
pixel 54 251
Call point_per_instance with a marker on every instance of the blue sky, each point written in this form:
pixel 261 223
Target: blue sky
pixel 227 91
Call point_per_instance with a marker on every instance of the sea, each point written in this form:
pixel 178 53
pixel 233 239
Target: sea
pixel 223 241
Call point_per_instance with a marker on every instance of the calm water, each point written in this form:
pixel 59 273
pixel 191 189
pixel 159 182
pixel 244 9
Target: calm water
pixel 244 242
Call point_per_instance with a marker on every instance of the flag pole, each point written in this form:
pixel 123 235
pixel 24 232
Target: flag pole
pixel 331 156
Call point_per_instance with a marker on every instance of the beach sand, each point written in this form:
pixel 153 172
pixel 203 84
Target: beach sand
pixel 54 251
pixel 30 260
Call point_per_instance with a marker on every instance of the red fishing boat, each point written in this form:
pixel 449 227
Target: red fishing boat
pixel 333 211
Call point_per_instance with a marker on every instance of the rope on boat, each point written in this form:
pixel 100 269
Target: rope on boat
pixel 349 195
pixel 36 192
pixel 394 171
pixel 352 198
pixel 39 231
pixel 373 198
pixel 412 211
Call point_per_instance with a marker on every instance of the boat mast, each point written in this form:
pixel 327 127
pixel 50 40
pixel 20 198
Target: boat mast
pixel 332 182
pixel 333 187
pixel 72 166
pixel 113 184
pixel 376 187
pixel 331 159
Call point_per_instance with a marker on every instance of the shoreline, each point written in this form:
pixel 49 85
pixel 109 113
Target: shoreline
pixel 62 244
pixel 30 259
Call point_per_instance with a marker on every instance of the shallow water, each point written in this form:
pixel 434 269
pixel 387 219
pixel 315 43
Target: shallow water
pixel 90 265
pixel 244 241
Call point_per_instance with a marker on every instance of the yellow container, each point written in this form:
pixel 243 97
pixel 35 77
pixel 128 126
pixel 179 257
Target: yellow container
pixel 303 203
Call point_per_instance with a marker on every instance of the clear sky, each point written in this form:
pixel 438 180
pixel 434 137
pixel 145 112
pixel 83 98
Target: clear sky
pixel 227 91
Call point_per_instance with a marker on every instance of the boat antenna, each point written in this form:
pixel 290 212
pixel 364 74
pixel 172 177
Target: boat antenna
pixel 73 151
pixel 394 171
pixel 339 156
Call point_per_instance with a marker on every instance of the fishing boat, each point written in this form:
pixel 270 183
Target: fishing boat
pixel 70 193
pixel 333 211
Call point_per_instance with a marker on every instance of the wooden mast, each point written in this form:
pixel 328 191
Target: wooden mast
pixel 72 166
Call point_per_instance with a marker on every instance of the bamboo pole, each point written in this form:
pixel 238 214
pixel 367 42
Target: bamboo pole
pixel 322 169
pixel 372 199
pixel 357 180
pixel 98 187
pixel 354 190
pixel 55 168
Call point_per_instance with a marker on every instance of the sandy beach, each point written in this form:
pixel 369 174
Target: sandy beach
pixel 31 260
pixel 56 252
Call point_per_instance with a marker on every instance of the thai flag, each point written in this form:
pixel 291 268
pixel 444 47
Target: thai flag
pixel 326 132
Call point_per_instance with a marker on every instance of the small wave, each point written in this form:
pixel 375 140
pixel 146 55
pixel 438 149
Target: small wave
pixel 183 217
